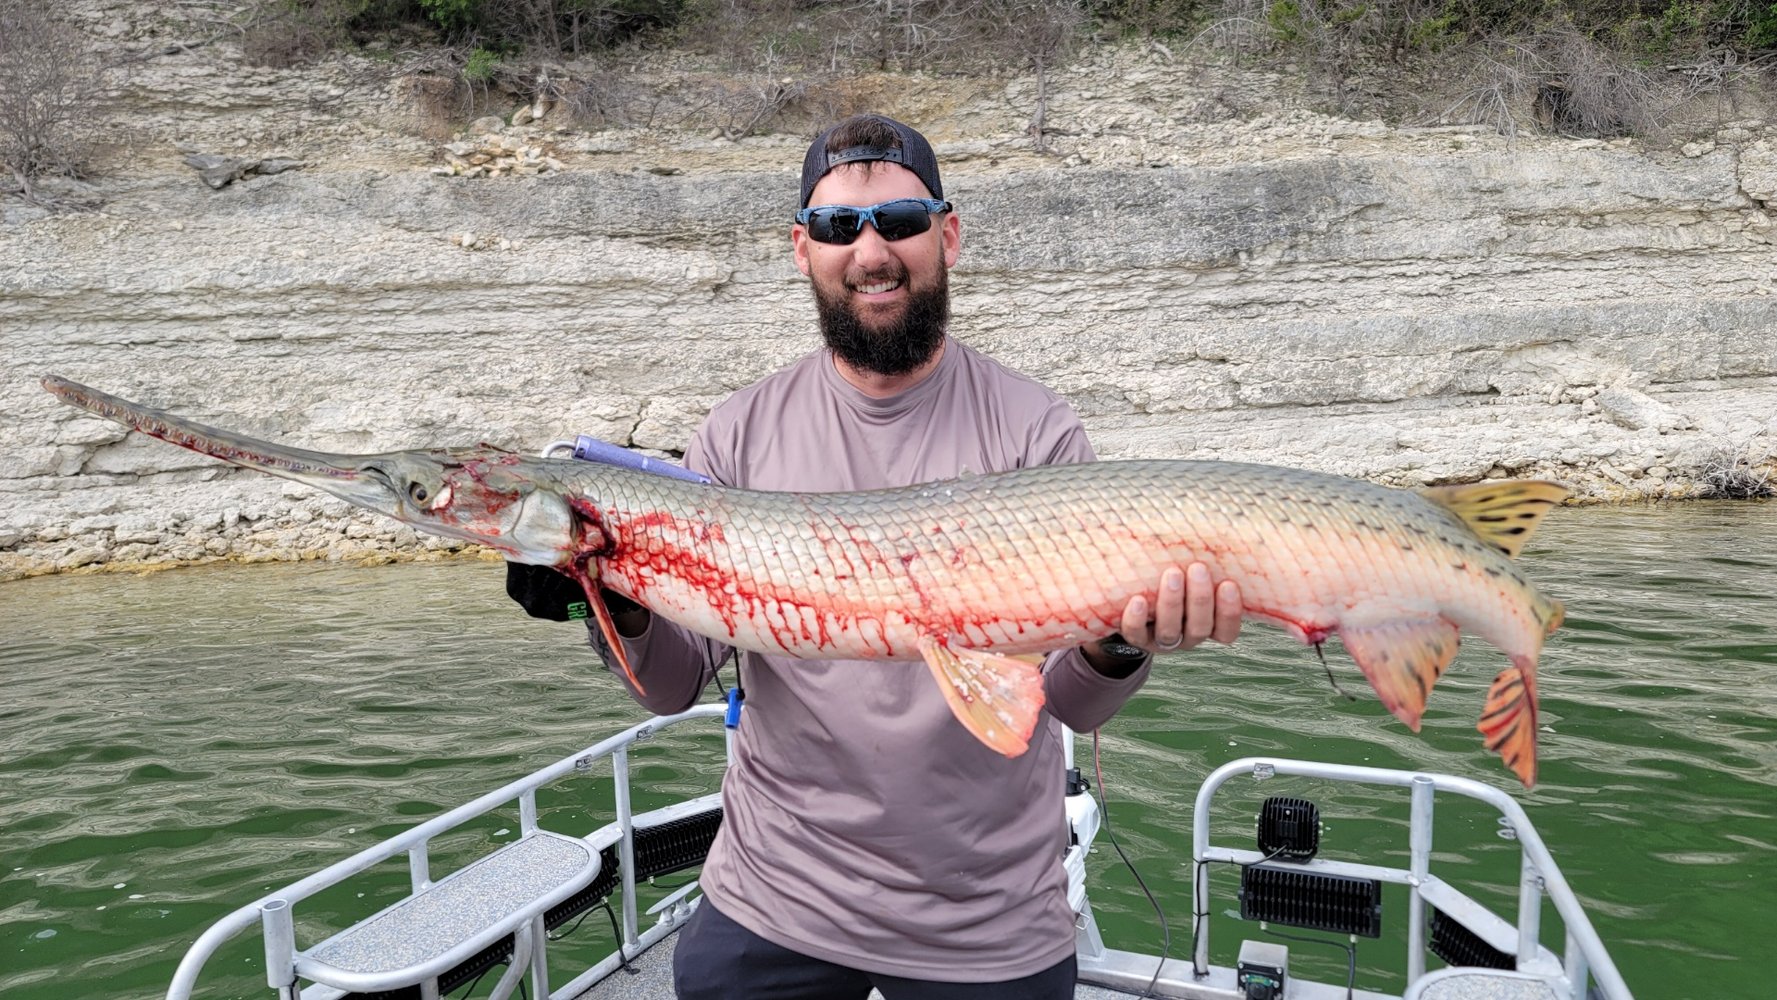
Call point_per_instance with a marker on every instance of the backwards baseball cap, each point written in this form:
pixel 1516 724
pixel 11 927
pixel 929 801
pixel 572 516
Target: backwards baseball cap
pixel 910 150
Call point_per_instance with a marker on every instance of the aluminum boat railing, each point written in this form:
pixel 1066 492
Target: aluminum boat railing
pixel 1584 957
pixel 275 912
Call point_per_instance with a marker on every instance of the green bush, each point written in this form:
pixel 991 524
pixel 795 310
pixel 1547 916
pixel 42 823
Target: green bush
pixel 1761 26
pixel 451 15
pixel 481 65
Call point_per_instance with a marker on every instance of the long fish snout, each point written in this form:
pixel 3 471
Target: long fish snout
pixel 478 494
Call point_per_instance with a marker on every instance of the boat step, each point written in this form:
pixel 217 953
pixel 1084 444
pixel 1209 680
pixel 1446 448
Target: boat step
pixel 452 919
pixel 1484 984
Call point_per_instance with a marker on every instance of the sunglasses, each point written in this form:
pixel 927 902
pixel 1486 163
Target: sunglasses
pixel 894 220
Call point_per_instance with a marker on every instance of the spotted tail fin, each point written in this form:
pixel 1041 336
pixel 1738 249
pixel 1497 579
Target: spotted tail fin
pixel 1509 719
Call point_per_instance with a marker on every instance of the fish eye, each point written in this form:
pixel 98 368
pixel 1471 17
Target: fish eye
pixel 418 492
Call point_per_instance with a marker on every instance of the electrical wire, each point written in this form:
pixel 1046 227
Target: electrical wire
pixel 570 930
pixel 622 956
pixel 1104 813
pixel 1200 891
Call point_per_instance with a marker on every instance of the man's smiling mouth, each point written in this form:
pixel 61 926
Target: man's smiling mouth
pixel 878 287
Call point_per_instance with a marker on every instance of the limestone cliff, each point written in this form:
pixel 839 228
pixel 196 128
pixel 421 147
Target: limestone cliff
pixel 1407 305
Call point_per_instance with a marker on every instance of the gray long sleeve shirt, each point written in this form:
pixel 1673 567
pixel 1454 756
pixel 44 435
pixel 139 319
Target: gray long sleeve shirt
pixel 864 825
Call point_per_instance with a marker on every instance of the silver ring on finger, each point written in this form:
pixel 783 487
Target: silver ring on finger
pixel 1169 646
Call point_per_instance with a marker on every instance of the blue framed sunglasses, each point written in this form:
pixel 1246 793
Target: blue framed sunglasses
pixel 894 220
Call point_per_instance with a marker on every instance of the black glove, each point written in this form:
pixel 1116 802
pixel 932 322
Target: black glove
pixel 544 592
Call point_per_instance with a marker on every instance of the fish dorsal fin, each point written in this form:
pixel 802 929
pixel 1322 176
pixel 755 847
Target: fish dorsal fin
pixel 1504 514
pixel 995 697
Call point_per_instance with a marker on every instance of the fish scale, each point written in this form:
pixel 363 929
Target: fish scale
pixel 965 574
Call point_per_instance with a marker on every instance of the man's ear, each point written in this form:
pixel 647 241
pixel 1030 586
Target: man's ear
pixel 799 243
pixel 953 238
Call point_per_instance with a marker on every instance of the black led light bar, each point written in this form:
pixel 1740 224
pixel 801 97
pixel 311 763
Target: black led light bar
pixel 1284 894
pixel 1459 946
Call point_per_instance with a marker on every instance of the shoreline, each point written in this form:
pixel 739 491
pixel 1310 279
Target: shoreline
pixel 366 553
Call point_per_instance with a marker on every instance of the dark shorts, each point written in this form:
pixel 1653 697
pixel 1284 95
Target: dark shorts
pixel 718 959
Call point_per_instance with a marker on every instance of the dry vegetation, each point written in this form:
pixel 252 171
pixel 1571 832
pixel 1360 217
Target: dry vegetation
pixel 1592 68
pixel 47 81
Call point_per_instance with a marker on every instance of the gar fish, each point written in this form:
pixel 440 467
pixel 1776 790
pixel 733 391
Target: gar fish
pixel 967 574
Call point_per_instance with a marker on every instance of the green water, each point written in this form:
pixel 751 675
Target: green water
pixel 173 745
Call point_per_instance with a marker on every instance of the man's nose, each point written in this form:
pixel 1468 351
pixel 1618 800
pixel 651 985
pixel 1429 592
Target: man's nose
pixel 870 248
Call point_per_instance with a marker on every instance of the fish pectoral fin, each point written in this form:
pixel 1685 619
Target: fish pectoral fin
pixel 595 599
pixel 1509 720
pixel 995 697
pixel 1402 658
pixel 1504 514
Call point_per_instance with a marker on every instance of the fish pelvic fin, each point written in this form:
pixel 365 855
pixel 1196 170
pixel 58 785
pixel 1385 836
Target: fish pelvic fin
pixel 995 697
pixel 1403 658
pixel 1504 514
pixel 1508 722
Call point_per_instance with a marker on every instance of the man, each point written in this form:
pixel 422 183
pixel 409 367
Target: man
pixel 868 839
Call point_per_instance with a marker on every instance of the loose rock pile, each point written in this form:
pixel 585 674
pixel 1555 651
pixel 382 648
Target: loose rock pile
pixel 495 156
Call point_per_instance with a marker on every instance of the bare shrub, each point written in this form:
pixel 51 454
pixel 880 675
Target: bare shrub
pixel 1329 37
pixel 1730 473
pixel 47 85
pixel 611 94
pixel 1150 18
pixel 284 33
pixel 1031 34
pixel 1592 91
pixel 1494 86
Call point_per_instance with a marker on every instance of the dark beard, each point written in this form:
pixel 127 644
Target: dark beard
pixel 900 348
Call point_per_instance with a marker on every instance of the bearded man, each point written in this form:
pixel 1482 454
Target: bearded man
pixel 867 839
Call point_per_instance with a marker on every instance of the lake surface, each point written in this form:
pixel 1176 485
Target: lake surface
pixel 173 745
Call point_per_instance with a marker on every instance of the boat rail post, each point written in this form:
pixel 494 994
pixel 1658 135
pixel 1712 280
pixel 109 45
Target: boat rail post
pixel 419 865
pixel 1530 910
pixel 538 932
pixel 1578 971
pixel 626 847
pixel 1419 848
pixel 279 928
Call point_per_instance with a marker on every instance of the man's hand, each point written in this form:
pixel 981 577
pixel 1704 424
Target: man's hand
pixel 1192 607
pixel 546 593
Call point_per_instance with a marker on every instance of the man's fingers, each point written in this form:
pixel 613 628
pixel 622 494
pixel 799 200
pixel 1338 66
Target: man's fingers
pixel 1200 605
pixel 1138 623
pixel 1169 611
pixel 1228 611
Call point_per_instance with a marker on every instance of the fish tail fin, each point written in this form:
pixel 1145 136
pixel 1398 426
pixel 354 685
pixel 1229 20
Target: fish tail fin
pixel 1402 659
pixel 995 697
pixel 1504 514
pixel 1508 722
